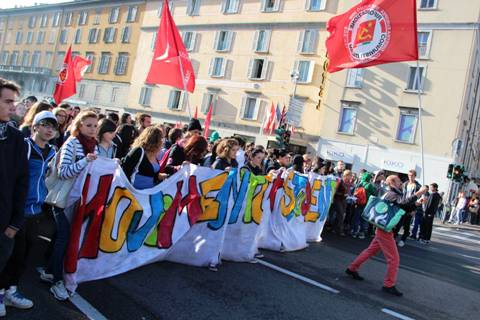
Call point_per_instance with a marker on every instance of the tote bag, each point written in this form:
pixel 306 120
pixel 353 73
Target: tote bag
pixel 382 214
pixel 58 189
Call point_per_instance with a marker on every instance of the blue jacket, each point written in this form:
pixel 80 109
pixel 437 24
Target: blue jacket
pixel 38 165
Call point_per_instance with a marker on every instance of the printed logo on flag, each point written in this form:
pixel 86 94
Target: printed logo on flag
pixel 63 74
pixel 368 33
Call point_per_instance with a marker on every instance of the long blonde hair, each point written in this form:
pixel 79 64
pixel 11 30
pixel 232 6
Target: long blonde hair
pixel 150 139
pixel 225 146
pixel 77 122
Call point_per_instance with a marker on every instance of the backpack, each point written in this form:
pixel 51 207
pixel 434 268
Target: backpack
pixel 361 195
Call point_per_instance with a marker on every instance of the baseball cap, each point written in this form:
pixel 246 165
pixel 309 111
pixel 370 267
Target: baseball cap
pixel 45 116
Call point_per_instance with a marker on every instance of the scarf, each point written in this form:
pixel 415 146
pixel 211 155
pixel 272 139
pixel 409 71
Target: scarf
pixel 3 130
pixel 87 143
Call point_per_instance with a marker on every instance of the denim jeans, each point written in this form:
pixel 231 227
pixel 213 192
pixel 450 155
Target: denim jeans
pixel 6 248
pixel 417 222
pixel 359 224
pixel 60 244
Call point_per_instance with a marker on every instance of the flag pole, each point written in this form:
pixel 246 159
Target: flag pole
pixel 420 112
pixel 184 85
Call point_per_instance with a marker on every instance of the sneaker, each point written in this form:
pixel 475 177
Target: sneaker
pixel 3 311
pixel 354 235
pixel 44 276
pixel 401 243
pixel 259 256
pixel 213 268
pixel 14 298
pixel 59 291
pixel 422 241
pixel 392 291
pixel 361 236
pixel 353 274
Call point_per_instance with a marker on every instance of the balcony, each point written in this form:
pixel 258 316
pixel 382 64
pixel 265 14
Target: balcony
pixel 22 69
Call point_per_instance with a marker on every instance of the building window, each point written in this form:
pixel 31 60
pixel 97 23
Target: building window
pixel 189 38
pixel 78 36
pixel 93 35
pixel 59 62
pixel 428 4
pixel 90 56
pixel 305 70
pixel 113 97
pixel 96 95
pixel 104 62
pixel 307 43
pixel 160 8
pixel 316 5
pixel 114 12
pixel 63 36
pixel 36 59
pixel 193 7
pixel 81 91
pixel 40 37
pixel 415 78
pixel 19 37
pixel 82 18
pixel 424 40
pixel 109 35
pixel 96 19
pixel 14 58
pixel 175 100
pixel 230 6
pixel 68 19
pixel 154 39
pixel 26 59
pixel 8 37
pixel 217 67
pixel 44 20
pixel 223 40
pixel 209 99
pixel 348 118
pixel 257 69
pixel 4 59
pixel 407 125
pixel 121 64
pixel 132 14
pixel 145 95
pixel 355 78
pixel 52 37
pixel 47 63
pixel 250 108
pixel 270 5
pixel 261 40
pixel 55 19
pixel 29 37
pixel 126 33
pixel 32 21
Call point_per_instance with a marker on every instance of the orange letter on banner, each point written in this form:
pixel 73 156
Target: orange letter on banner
pixel 209 204
pixel 107 243
pixel 288 192
pixel 312 216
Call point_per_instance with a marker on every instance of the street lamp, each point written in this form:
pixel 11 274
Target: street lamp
pixel 294 76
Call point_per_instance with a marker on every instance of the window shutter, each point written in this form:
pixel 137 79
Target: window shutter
pixel 264 5
pixel 182 101
pixel 265 69
pixel 154 39
pixel 359 80
pixel 276 6
pixel 300 41
pixel 171 97
pixel 230 36
pixel 224 66
pixel 323 5
pixel 295 66
pixel 193 42
pixel 236 4
pixel 210 68
pixel 258 104
pixel 142 94
pixel 307 5
pixel 268 36
pixel 215 42
pixel 224 6
pixel 255 40
pixel 242 108
pixel 250 67
pixel 311 69
pixel 314 41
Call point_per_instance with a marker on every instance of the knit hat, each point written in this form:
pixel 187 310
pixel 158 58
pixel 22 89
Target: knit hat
pixel 214 136
pixel 194 125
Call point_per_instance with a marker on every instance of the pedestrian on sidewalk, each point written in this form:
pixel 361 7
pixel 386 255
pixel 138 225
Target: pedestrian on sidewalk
pixel 409 188
pixel 419 215
pixel 14 174
pixel 460 207
pixel 384 240
pixel 431 207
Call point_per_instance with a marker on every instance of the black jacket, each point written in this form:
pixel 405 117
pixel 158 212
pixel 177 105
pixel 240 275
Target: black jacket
pixel 145 168
pixel 222 164
pixel 253 169
pixel 401 200
pixel 433 202
pixel 14 177
pixel 125 135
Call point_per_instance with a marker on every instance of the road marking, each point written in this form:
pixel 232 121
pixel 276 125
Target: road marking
pixel 86 308
pixel 299 277
pixel 396 314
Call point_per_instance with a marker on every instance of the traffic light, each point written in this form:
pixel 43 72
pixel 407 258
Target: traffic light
pixel 450 171
pixel 458 172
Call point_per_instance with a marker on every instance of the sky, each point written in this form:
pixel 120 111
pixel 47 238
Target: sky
pixel 12 3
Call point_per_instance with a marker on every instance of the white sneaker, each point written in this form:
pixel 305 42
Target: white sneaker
pixel 44 276
pixel 59 291
pixel 213 268
pixel 14 298
pixel 3 311
pixel 401 244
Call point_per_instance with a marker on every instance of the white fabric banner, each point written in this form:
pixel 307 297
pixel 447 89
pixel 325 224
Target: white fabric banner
pixel 198 217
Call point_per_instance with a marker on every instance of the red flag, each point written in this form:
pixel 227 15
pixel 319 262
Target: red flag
pixel 207 122
pixel 178 124
pixel 80 65
pixel 373 32
pixel 169 52
pixel 65 86
pixel 270 121
pixel 195 116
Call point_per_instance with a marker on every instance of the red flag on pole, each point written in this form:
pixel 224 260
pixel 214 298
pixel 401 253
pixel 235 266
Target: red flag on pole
pixel 65 86
pixel 170 64
pixel 270 121
pixel 80 65
pixel 195 115
pixel 207 121
pixel 371 33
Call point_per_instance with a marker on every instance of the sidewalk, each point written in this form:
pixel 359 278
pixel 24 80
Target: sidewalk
pixel 465 226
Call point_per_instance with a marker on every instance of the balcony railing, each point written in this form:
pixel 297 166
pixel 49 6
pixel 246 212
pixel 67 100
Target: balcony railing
pixel 22 69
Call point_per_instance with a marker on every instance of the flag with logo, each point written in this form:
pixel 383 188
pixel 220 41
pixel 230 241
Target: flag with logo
pixel 170 64
pixel 371 33
pixel 65 86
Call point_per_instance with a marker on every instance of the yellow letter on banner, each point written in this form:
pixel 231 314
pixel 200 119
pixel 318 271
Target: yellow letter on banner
pixel 286 210
pixel 107 243
pixel 312 216
pixel 209 204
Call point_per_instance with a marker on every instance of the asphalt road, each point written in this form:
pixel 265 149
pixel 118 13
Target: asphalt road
pixel 440 281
